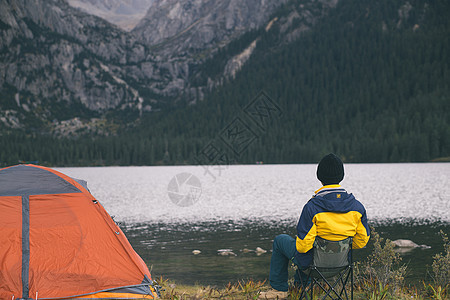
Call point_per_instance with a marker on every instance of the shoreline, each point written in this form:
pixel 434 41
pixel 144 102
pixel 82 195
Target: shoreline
pixel 249 289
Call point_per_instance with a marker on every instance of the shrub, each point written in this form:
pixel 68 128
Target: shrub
pixel 441 264
pixel 441 272
pixel 382 273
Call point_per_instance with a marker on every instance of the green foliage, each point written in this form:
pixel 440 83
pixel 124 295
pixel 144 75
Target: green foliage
pixel 435 291
pixel 441 272
pixel 243 289
pixel 379 292
pixel 441 264
pixel 383 274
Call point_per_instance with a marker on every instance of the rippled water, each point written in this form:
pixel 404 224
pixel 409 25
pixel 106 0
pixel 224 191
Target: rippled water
pixel 246 206
pixel 268 192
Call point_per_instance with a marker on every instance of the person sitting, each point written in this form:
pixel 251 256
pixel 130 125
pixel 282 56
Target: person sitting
pixel 332 213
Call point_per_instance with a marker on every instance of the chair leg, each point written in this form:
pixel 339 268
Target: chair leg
pixel 344 283
pixel 330 288
pixel 346 274
pixel 304 285
pixel 343 290
pixel 351 281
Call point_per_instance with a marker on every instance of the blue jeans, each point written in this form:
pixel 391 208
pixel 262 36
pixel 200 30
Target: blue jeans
pixel 283 250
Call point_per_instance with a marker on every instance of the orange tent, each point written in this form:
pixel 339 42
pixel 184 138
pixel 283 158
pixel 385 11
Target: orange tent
pixel 58 242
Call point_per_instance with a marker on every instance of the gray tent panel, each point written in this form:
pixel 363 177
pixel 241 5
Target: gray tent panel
pixel 28 180
pixel 25 246
pixel 142 288
pixel 82 182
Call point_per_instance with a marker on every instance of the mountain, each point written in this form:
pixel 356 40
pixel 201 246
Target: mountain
pixel 200 26
pixel 58 63
pixel 287 23
pixel 365 79
pixel 123 13
pixel 61 66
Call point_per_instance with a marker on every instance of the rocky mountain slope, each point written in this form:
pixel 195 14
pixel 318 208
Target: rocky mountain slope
pixel 61 66
pixel 192 26
pixel 57 63
pixel 286 25
pixel 123 13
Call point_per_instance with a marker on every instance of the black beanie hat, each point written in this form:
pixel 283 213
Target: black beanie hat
pixel 330 169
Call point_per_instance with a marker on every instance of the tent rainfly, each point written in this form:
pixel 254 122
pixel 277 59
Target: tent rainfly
pixel 58 242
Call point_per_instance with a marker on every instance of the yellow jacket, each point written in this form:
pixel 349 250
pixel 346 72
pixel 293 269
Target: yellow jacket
pixel 332 214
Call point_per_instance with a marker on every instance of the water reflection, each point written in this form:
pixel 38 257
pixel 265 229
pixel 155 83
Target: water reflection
pixel 225 249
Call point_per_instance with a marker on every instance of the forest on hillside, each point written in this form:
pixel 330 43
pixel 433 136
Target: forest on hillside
pixel 360 83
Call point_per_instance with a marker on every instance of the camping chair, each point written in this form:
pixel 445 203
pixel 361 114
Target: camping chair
pixel 331 268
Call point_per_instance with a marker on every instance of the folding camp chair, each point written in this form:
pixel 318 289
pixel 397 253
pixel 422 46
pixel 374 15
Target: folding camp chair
pixel 331 269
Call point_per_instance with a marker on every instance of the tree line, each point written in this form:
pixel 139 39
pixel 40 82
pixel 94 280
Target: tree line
pixel 360 83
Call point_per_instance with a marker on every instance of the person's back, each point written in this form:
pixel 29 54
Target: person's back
pixel 332 213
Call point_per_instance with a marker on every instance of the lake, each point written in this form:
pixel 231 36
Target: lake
pixel 167 212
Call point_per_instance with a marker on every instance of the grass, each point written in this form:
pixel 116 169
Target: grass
pixel 379 278
pixel 249 289
pixel 243 289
